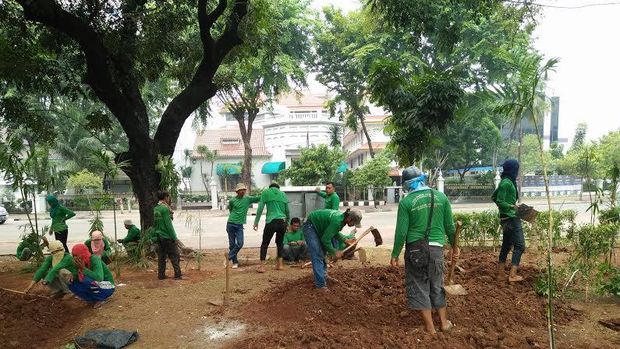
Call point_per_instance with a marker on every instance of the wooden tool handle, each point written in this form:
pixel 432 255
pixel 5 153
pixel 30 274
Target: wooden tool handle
pixel 455 247
pixel 358 239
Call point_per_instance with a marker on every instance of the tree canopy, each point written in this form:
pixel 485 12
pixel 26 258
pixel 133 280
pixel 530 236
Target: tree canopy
pixel 315 165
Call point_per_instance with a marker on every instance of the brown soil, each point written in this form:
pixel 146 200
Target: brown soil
pixel 28 321
pixel 365 308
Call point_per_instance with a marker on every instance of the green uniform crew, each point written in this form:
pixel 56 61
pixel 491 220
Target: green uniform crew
pixel 133 235
pixel 293 236
pixel 332 201
pixel 412 218
pixel 59 215
pixel 238 208
pixel 107 250
pixel 162 225
pixel 277 205
pixel 505 197
pixel 48 273
pixel 98 271
pixel 328 224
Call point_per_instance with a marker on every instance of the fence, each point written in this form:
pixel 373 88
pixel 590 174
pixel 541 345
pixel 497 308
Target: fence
pixel 469 191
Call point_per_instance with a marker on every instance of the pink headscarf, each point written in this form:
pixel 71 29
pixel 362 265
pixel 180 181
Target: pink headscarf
pixel 96 243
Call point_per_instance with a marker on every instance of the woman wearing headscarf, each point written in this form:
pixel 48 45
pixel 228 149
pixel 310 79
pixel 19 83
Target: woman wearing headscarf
pixel 94 282
pixel 505 197
pixel 49 271
pixel 99 245
pixel 59 216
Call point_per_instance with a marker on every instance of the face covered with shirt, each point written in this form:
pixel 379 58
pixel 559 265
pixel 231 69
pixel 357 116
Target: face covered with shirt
pixel 415 183
pixel 96 243
pixel 81 256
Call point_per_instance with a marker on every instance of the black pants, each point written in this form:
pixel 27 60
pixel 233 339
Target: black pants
pixel 277 226
pixel 62 237
pixel 168 248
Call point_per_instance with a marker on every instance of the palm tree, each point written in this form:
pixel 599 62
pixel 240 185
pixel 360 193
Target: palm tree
pixel 335 133
pixel 523 97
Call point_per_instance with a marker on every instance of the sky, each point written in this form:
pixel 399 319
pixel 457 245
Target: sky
pixel 584 39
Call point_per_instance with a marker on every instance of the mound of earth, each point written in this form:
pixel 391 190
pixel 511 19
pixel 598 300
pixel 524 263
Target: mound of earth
pixel 366 308
pixel 28 321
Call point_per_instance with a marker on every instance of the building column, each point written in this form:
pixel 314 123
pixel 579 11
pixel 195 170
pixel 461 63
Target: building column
pixel 440 182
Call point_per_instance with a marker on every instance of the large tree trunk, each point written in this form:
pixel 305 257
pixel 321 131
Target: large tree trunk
pixel 246 136
pixel 360 117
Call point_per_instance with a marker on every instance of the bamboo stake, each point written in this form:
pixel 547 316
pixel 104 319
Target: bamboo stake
pixel 227 290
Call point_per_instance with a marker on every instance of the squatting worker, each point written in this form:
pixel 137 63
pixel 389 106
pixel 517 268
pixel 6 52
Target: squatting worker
pixel 238 207
pixel 165 236
pixel 505 197
pixel 132 240
pixel 319 229
pixel 59 215
pixel 424 212
pixel 276 222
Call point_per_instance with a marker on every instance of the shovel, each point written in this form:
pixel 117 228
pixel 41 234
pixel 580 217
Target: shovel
pixel 451 288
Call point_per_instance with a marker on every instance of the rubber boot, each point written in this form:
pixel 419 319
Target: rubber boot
pixel 513 277
pixel 280 264
pixel 501 272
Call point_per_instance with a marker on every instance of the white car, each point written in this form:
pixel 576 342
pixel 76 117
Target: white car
pixel 3 215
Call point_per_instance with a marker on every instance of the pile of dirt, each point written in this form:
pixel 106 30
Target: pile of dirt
pixel 366 308
pixel 28 321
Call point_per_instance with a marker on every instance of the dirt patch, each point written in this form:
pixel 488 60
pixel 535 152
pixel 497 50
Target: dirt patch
pixel 28 321
pixel 366 308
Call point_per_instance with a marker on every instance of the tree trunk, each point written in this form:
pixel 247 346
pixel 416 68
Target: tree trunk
pixel 246 136
pixel 520 164
pixel 360 117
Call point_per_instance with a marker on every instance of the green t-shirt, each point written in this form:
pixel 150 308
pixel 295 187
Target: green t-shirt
pixel 162 225
pixel 327 224
pixel 61 214
pixel 291 236
pixel 98 271
pixel 332 201
pixel 48 272
pixel 238 208
pixel 107 251
pixel 505 196
pixel 277 205
pixel 133 235
pixel 412 219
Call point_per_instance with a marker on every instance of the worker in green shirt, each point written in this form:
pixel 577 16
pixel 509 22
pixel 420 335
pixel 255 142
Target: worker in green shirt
pixel 423 214
pixel 59 215
pixel 131 241
pixel 48 272
pixel 294 245
pixel 505 197
pixel 238 207
pixel 28 244
pixel 94 282
pixel 332 201
pixel 319 229
pixel 275 222
pixel 166 237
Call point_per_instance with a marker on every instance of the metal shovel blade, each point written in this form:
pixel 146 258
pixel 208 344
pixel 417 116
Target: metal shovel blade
pixel 456 290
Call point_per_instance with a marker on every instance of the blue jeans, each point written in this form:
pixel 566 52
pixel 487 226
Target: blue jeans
pixel 235 240
pixel 91 291
pixel 317 256
pixel 512 238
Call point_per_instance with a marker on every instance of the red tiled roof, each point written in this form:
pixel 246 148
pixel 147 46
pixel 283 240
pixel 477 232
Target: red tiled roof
pixel 306 99
pixel 212 139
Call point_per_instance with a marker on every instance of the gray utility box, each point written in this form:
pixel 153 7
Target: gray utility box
pixel 302 201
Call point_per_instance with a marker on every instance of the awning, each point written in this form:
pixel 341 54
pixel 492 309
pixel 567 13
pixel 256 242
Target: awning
pixel 228 168
pixel 273 167
pixel 343 167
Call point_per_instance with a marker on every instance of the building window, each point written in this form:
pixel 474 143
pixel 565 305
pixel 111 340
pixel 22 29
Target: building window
pixel 303 115
pixel 231 141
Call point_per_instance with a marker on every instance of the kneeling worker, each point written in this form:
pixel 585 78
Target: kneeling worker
pixel 319 229
pixel 294 245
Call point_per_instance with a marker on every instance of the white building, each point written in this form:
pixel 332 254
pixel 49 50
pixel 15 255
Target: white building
pixel 279 132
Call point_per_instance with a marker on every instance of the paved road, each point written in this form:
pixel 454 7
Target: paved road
pixel 214 225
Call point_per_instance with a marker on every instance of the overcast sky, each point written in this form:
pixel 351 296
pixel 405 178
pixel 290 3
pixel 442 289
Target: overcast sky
pixel 586 41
